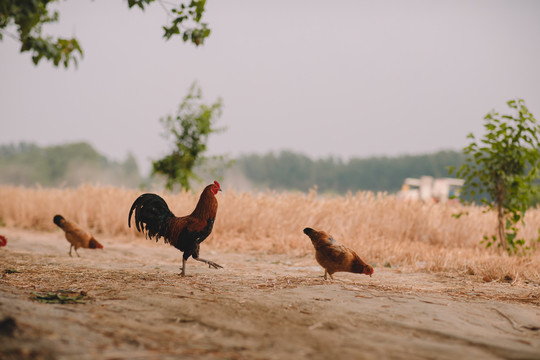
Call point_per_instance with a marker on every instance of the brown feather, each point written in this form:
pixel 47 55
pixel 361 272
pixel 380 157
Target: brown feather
pixel 195 222
pixel 206 208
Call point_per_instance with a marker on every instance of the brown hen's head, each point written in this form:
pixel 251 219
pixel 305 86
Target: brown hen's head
pixel 368 270
pixel 94 244
pixel 360 267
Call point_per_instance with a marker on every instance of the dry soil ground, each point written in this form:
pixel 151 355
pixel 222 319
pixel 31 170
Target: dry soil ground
pixel 258 307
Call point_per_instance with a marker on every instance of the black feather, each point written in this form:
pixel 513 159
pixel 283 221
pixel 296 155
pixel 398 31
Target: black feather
pixel 58 220
pixel 151 215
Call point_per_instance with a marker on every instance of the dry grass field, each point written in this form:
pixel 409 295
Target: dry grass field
pixel 384 230
pixel 436 292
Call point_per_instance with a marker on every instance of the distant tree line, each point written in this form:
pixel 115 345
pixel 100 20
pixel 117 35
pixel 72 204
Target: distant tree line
pixel 292 171
pixel 64 165
pixel 76 163
pixel 69 165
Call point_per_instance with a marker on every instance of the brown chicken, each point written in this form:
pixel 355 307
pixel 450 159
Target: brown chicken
pixel 186 233
pixel 77 237
pixel 334 257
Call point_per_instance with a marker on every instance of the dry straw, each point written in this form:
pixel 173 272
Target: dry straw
pixel 384 230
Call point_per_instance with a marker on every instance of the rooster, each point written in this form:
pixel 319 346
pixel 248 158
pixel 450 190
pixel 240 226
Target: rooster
pixel 334 257
pixel 3 241
pixel 77 237
pixel 186 233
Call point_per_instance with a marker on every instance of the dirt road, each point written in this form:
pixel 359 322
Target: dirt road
pixel 258 307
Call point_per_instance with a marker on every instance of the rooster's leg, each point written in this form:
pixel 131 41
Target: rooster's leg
pixel 211 264
pixel 76 252
pixel 71 247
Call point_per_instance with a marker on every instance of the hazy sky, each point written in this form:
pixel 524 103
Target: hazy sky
pixel 343 78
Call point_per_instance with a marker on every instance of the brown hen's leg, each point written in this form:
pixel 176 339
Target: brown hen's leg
pixel 71 247
pixel 183 268
pixel 211 264
pixel 326 272
pixel 74 248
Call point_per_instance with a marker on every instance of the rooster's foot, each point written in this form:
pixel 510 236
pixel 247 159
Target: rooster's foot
pixel 211 264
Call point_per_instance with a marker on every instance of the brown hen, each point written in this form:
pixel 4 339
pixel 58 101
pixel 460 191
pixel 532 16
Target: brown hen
pixel 334 257
pixel 77 237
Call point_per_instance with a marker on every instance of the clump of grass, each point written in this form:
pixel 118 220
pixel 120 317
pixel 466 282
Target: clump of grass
pixel 61 297
pixel 380 227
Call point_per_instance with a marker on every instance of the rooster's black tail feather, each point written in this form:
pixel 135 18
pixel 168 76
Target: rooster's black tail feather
pixel 151 215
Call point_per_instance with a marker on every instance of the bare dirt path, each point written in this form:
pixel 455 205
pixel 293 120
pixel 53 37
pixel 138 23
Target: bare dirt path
pixel 258 307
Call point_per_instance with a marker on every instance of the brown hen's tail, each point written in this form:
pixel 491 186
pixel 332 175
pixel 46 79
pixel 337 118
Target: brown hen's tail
pixel 151 215
pixel 59 221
